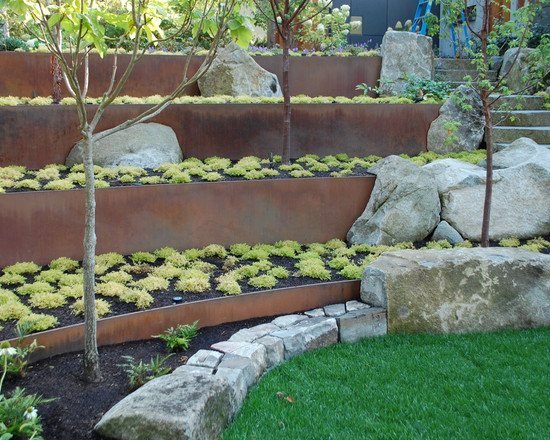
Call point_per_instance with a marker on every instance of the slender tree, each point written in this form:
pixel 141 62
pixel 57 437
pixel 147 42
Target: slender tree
pixel 490 37
pixel 82 24
pixel 287 15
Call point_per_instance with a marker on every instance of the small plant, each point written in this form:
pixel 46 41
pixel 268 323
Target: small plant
pixel 228 285
pixel 102 307
pixel 509 242
pixel 179 338
pixel 313 268
pixel 143 257
pixel 139 373
pixel 263 282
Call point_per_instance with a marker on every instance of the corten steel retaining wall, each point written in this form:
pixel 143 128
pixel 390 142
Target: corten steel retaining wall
pixel 142 325
pixel 42 225
pixel 37 136
pixel 23 74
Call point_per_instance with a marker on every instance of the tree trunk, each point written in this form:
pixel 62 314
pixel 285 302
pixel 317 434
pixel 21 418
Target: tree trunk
pixel 286 95
pixel 92 372
pixel 489 175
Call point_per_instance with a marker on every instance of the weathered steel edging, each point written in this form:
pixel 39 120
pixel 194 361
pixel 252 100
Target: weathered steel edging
pixel 211 312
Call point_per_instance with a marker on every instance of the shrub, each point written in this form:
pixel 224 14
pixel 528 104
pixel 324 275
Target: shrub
pixel 309 255
pixel 177 260
pixel 230 262
pixel 256 254
pixel 263 282
pixel 143 257
pixel 239 249
pixel 318 248
pixel 301 173
pixel 32 288
pixel 64 264
pixel 338 263
pixel 352 272
pixel 102 307
pixel 193 280
pixel 464 244
pixel 20 419
pixel 167 271
pixel 192 254
pixel 50 173
pixel 247 271
pixel 109 259
pixel 118 276
pixel 228 285
pixel 236 171
pixel 9 279
pixel 152 283
pixel 284 251
pixel 139 373
pixel 313 268
pixel 12 309
pixel 335 244
pixel 165 252
pixel 71 279
pixel 151 180
pixel 37 322
pixel 139 297
pixel 111 289
pixel 509 242
pixel 46 300
pixel 214 250
pixel 22 268
pixel 75 291
pixel 440 244
pixel 203 266
pixel 344 252
pixel 279 272
pixel 49 276
pixel 217 163
pixel 59 185
pixel 213 176
pixel 539 243
pixel 180 337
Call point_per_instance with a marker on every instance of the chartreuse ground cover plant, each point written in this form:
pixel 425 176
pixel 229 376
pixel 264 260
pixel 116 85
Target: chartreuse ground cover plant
pixel 40 298
pixel 477 386
pixel 57 177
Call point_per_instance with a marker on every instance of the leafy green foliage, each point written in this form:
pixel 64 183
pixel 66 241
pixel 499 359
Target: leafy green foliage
pixel 180 337
pixel 139 373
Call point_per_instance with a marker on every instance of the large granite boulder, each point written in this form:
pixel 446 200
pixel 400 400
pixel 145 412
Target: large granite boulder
pixel 460 290
pixel 520 201
pixel 460 125
pixel 190 405
pixel 142 145
pixel 404 205
pixel 519 152
pixel 405 55
pixel 235 73
pixel 515 67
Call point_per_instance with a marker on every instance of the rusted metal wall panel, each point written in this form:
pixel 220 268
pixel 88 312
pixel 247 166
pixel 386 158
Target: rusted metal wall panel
pixel 40 226
pixel 37 136
pixel 23 74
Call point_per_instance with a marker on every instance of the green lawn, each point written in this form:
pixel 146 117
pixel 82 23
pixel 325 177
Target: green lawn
pixel 480 386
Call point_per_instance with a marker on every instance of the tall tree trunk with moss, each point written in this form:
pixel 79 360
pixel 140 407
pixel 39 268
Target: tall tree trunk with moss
pixel 92 371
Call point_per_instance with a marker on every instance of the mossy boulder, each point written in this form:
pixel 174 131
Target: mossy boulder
pixel 460 290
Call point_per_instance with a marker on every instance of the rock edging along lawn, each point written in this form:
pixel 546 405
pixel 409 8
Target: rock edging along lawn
pixel 48 133
pixel 25 74
pixel 198 400
pixel 182 216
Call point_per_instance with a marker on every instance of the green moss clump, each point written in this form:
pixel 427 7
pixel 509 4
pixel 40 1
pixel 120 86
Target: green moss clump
pixel 336 243
pixel 509 242
pixel 64 264
pixel 48 173
pixel 47 300
pixel 165 252
pixel 102 307
pixel 466 244
pixel 143 257
pixel 247 271
pixel 313 268
pixel 152 283
pixel 167 271
pixel 214 250
pixel 118 276
pixel 151 180
pixel 139 297
pixel 76 291
pixel 110 289
pixel 339 263
pixel 263 282
pixel 254 175
pixel 25 267
pixel 109 259
pixel 284 251
pixel 344 252
pixel 193 284
pixel 192 254
pixel 217 163
pixel 10 279
pixel 32 288
pixel 178 259
pixel 49 276
pixel 71 279
pixel 256 254
pixel 352 272
pixel 59 185
pixel 37 322
pixel 228 285
pixel 318 248
pixel 279 272
pixel 263 264
pixel 239 249
pixel 538 243
pixel 127 178
pixel 235 171
pixel 309 255
pixel 437 245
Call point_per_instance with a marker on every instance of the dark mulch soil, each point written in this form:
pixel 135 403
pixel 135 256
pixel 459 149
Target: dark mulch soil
pixel 79 405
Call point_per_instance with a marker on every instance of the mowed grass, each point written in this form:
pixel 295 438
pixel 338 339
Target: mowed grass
pixel 478 386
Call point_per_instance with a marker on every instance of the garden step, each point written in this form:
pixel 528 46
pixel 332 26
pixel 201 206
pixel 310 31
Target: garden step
pixel 456 84
pixel 520 102
pixel 453 63
pixel 522 118
pixel 454 75
pixel 540 135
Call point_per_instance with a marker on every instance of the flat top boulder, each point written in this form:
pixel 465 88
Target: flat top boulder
pixel 519 152
pixel 142 145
